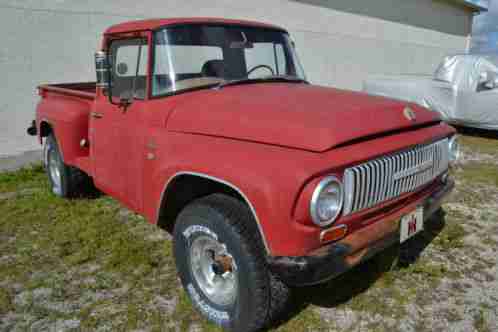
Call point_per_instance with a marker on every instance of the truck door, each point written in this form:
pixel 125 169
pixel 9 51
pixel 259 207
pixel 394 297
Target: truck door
pixel 117 142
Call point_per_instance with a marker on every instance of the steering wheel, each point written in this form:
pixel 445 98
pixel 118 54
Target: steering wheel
pixel 249 72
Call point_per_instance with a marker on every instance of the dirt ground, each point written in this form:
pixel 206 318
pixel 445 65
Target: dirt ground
pixel 91 265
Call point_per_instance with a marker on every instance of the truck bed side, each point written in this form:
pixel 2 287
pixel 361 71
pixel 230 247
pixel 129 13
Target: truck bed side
pixel 84 90
pixel 65 110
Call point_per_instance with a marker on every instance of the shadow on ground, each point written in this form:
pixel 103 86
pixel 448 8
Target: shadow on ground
pixel 475 132
pixel 360 278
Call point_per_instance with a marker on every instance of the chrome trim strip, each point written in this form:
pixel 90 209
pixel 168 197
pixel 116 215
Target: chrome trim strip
pixel 411 161
pixel 378 183
pixel 357 192
pixel 385 175
pixel 209 177
pixel 363 185
pixel 402 181
pixel 397 159
pixel 348 190
pixel 368 184
pixel 389 176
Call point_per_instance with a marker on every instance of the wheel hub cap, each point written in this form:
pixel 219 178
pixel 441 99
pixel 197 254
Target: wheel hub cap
pixel 214 270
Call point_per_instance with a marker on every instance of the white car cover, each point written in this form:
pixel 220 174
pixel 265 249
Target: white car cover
pixel 457 90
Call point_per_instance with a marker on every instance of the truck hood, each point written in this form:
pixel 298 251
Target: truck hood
pixel 292 115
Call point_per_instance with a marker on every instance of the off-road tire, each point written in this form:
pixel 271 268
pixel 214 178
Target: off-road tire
pixel 261 297
pixel 73 182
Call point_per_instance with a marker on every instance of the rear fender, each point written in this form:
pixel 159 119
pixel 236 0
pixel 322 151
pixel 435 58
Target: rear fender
pixel 68 119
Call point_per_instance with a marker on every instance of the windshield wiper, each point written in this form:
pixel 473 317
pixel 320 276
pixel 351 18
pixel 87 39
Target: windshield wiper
pixel 272 78
pixel 284 78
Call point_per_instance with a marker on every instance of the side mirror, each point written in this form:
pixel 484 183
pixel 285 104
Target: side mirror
pixel 488 79
pixel 491 80
pixel 103 70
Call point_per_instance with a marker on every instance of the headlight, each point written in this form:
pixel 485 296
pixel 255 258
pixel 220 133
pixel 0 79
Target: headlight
pixel 326 201
pixel 453 149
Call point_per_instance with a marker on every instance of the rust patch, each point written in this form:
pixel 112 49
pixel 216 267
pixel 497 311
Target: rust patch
pixel 356 257
pixel 370 234
pixel 226 263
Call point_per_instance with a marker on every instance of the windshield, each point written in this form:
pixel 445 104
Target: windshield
pixel 194 56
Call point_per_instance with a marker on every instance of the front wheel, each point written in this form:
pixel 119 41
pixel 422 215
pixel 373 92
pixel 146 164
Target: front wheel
pixel 220 260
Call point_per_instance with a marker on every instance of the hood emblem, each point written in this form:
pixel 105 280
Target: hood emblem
pixel 426 165
pixel 409 114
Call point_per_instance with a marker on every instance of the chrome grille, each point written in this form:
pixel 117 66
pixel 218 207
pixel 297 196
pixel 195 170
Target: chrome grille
pixel 382 179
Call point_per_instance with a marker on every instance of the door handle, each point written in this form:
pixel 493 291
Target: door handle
pixel 97 115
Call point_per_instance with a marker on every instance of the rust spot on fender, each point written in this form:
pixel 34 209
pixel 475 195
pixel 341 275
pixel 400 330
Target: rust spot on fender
pixel 365 237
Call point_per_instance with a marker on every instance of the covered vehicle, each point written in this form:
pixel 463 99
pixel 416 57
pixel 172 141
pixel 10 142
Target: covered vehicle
pixel 463 89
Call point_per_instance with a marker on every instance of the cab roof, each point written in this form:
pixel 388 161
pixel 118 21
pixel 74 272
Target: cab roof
pixel 152 24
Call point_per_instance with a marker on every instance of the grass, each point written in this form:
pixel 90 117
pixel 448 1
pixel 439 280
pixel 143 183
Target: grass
pixel 480 322
pixel 451 237
pixel 480 173
pixel 5 301
pixel 476 172
pixel 28 177
pixel 55 242
pixel 51 236
pixel 480 144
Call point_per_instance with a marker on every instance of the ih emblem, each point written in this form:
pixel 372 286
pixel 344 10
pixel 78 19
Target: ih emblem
pixel 412 226
pixel 409 114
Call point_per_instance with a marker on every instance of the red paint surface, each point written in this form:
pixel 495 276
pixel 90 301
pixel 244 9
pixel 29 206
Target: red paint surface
pixel 293 115
pixel 273 141
pixel 152 24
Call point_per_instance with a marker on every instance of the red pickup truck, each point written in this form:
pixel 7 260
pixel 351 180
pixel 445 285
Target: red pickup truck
pixel 209 128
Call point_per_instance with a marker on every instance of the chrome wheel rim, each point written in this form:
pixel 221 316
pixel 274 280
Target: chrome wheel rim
pixel 53 168
pixel 214 270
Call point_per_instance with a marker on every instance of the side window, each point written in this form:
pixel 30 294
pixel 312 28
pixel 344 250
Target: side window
pixel 129 68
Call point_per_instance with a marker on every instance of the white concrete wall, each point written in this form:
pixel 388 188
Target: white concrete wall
pixel 340 42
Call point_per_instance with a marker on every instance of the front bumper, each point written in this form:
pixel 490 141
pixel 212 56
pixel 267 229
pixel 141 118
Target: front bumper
pixel 334 259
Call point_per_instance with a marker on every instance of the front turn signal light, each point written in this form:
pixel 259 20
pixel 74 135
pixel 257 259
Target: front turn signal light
pixel 333 234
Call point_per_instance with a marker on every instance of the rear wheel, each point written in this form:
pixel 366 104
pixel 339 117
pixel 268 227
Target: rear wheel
pixel 65 181
pixel 220 260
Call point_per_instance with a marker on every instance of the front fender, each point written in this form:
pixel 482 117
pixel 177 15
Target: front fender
pixel 246 168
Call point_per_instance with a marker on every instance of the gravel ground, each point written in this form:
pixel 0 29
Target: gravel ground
pixel 81 282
